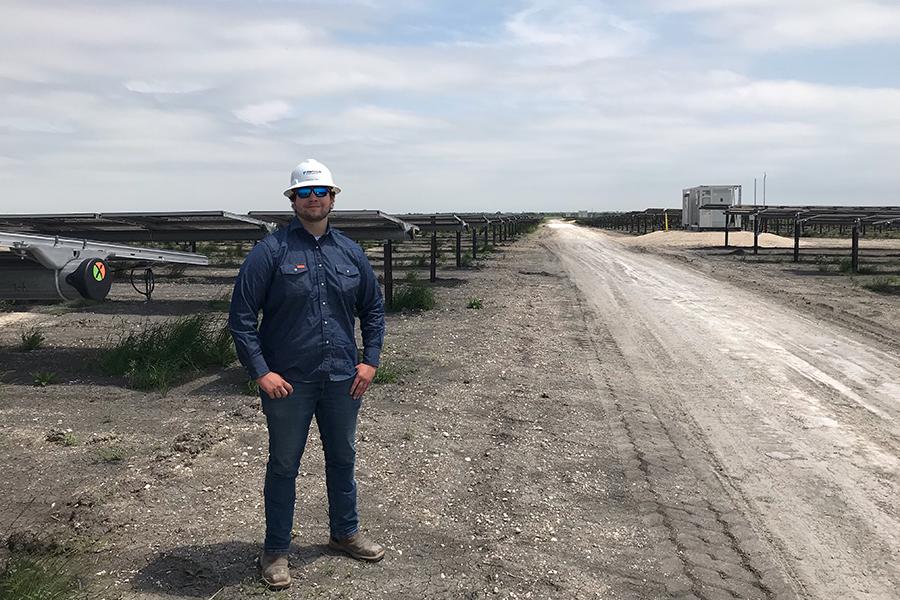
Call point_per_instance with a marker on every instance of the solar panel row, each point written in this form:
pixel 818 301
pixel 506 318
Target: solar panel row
pixel 92 232
pixel 226 226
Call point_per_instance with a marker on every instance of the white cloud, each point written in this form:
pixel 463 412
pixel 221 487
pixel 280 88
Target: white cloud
pixel 377 117
pixel 264 112
pixel 574 33
pixel 776 24
pixel 206 105
pixel 164 87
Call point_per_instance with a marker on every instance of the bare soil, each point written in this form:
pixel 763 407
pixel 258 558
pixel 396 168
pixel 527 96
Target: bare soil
pixel 611 424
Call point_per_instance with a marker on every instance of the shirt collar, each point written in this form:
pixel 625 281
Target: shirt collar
pixel 296 224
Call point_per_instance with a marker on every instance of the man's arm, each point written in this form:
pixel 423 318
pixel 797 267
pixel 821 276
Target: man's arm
pixel 370 308
pixel 248 297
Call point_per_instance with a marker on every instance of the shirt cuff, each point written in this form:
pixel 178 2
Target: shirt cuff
pixel 257 367
pixel 372 356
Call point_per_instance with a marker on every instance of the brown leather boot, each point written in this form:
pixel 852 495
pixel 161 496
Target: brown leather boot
pixel 358 547
pixel 275 572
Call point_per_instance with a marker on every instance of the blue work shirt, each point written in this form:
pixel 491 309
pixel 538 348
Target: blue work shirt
pixel 309 292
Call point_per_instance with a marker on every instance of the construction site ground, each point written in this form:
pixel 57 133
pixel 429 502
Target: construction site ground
pixel 617 421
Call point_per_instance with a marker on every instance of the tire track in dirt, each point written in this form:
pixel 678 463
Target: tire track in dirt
pixel 757 437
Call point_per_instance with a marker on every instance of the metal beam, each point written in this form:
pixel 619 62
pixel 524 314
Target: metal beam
pixel 73 248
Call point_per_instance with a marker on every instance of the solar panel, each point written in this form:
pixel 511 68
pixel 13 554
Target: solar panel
pixel 358 225
pixel 435 221
pixel 822 214
pixel 141 227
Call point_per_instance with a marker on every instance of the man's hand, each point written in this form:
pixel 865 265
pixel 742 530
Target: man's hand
pixel 364 376
pixel 274 385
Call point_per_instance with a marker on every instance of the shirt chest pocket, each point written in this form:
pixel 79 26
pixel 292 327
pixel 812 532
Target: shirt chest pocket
pixel 296 278
pixel 348 277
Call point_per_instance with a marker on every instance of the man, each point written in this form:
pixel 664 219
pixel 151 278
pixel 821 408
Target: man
pixel 309 280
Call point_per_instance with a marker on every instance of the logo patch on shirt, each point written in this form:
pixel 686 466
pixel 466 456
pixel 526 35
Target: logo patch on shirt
pixel 301 266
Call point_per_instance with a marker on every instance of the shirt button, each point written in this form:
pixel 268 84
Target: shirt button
pixel 326 341
pixel 326 322
pixel 323 303
pixel 323 283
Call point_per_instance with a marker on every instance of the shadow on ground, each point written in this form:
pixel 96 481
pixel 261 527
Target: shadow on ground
pixel 201 571
pixel 156 307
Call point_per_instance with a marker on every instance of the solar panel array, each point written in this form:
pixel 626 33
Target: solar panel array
pixel 193 227
pixel 875 215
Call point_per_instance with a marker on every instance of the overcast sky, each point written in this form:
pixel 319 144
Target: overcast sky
pixel 441 106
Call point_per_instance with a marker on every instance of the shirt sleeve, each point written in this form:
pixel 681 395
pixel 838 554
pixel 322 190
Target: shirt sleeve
pixel 370 308
pixel 248 297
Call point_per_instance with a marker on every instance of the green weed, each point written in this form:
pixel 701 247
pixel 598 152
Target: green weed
pixel 163 354
pixel 32 576
pixel 845 265
pixel 43 378
pixel 475 303
pixel 32 339
pixel 251 388
pixel 822 264
pixel 63 437
pixel 413 294
pixel 884 285
pixel 387 373
pixel 413 297
pixel 111 454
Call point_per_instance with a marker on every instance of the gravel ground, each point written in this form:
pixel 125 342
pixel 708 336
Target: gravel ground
pixel 487 470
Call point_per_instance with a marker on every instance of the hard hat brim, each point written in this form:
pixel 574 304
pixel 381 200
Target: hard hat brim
pixel 288 191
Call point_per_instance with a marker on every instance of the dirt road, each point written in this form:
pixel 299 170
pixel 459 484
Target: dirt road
pixel 734 401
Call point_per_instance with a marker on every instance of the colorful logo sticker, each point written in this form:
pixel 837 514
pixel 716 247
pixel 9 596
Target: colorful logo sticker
pixel 99 271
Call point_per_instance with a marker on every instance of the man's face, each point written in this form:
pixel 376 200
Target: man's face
pixel 313 208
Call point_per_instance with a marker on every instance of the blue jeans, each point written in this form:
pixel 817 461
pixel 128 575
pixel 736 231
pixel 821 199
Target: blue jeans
pixel 288 420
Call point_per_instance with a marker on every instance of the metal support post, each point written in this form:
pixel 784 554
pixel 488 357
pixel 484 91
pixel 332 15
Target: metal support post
pixel 756 233
pixel 854 258
pixel 389 273
pixel 797 231
pixel 474 243
pixel 433 275
pixel 458 249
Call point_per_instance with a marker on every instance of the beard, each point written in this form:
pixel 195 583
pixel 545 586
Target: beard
pixel 313 214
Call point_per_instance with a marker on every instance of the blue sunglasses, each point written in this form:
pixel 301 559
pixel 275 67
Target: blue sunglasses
pixel 319 191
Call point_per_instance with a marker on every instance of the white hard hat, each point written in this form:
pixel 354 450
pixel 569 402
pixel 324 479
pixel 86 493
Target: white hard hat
pixel 308 173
